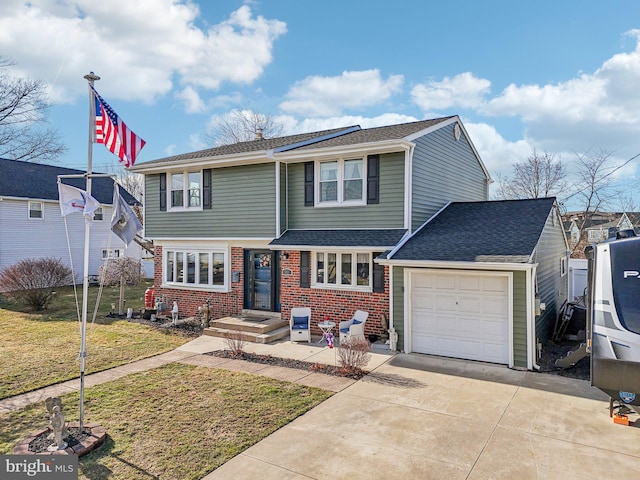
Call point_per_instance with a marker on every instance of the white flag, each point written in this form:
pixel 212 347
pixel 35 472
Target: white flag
pixel 124 221
pixel 73 200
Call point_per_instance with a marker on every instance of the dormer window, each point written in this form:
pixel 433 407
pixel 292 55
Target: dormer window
pixel 341 182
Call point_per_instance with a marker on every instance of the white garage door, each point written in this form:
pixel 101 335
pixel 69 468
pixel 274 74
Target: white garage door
pixel 459 314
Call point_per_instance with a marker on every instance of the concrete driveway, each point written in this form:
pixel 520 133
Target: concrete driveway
pixel 420 417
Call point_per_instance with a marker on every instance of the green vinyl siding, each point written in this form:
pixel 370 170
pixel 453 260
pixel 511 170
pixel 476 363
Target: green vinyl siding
pixel 444 170
pixel 520 319
pixel 388 213
pixel 398 304
pixel 244 205
pixel 552 287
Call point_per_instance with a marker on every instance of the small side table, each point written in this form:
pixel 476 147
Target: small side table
pixel 326 328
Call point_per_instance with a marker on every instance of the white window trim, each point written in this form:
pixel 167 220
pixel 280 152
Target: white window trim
pixel 29 210
pixel 101 212
pixel 354 266
pixel 563 266
pixel 185 192
pixel 225 287
pixel 340 202
pixel 111 253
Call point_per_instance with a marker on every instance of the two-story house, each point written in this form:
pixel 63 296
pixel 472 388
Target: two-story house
pixel 304 220
pixel 31 225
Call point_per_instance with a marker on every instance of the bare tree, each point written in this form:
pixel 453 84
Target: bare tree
pixel 541 175
pixel 594 189
pixel 23 105
pixel 242 126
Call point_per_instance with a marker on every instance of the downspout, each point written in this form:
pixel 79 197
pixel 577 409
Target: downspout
pixel 278 230
pixel 408 187
pixel 532 347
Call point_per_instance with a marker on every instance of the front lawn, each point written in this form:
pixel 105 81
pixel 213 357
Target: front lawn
pixel 41 349
pixel 174 422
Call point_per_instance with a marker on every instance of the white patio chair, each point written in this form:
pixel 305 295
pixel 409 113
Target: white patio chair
pixel 300 324
pixel 353 328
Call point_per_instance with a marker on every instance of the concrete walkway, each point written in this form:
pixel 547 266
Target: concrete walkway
pixel 420 417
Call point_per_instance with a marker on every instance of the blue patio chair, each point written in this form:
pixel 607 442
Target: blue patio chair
pixel 300 324
pixel 353 328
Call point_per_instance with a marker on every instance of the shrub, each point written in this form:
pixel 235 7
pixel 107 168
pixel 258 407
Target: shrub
pixel 32 281
pixel 235 342
pixel 353 354
pixel 115 268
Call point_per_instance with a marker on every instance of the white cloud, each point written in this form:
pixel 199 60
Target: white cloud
pixel 317 96
pixel 497 153
pixel 292 125
pixel 191 100
pixel 141 48
pixel 600 109
pixel 464 90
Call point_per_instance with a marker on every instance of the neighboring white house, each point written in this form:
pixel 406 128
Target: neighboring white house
pixel 31 225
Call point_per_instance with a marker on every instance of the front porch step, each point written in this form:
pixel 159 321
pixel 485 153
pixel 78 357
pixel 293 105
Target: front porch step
pixel 258 324
pixel 248 336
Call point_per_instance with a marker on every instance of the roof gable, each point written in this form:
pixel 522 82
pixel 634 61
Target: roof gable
pixel 21 179
pixel 506 230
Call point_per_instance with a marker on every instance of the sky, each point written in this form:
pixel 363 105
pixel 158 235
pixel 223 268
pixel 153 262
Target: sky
pixel 561 77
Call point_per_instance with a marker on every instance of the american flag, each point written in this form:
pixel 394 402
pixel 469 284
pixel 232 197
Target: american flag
pixel 114 134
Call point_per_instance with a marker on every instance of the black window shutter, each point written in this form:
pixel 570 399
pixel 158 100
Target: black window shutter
pixel 163 192
pixel 373 179
pixel 378 276
pixel 206 188
pixel 308 184
pixel 305 269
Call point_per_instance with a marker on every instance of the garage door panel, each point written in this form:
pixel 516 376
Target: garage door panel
pixel 446 302
pixel 423 300
pixel 468 304
pixel 468 283
pixel 460 315
pixel 493 306
pixel 495 284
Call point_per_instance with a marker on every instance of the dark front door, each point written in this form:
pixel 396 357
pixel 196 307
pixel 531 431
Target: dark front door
pixel 262 272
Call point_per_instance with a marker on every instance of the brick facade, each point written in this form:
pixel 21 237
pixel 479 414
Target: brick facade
pixel 221 304
pixel 338 305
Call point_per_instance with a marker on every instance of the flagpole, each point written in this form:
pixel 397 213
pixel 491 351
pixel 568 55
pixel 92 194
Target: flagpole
pixel 91 77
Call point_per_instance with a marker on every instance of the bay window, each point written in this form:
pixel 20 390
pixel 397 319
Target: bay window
pixel 197 268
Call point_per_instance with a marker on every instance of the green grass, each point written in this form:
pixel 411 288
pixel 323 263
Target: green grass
pixel 41 349
pixel 173 422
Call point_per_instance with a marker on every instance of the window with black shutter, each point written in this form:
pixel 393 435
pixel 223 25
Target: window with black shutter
pixel 378 276
pixel 373 179
pixel 305 269
pixel 206 188
pixel 308 184
pixel 163 192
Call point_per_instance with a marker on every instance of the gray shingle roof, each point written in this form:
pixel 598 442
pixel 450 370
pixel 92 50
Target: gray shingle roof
pixel 377 134
pixel 350 135
pixel 504 231
pixel 38 181
pixel 382 238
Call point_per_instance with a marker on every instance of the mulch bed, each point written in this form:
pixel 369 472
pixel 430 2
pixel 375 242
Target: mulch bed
pixel 355 374
pixel 553 351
